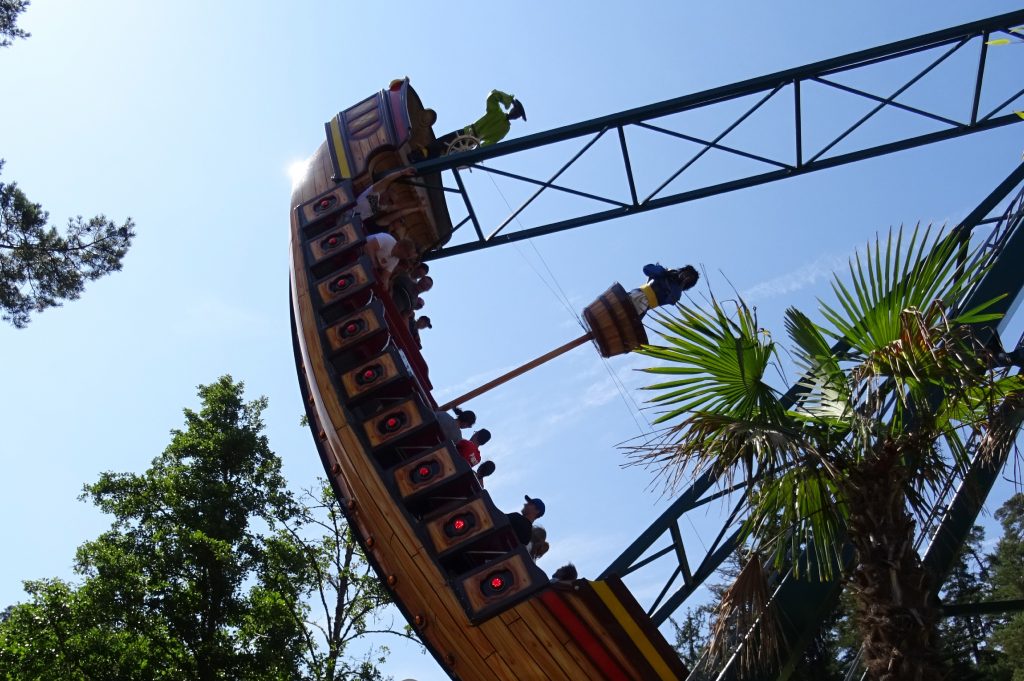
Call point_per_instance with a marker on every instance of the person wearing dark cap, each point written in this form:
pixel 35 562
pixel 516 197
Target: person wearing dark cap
pixel 485 469
pixel 663 287
pixel 419 270
pixel 522 522
pixel 470 449
pixel 491 128
pixel 417 324
pixel 405 291
pixel 452 426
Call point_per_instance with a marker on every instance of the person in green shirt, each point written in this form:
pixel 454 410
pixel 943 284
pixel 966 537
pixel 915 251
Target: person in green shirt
pixel 502 108
pixel 495 123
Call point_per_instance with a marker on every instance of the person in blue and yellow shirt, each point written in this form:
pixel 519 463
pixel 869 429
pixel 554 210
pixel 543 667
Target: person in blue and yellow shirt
pixel 663 287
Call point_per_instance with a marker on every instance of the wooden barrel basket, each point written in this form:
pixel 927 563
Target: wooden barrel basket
pixel 614 322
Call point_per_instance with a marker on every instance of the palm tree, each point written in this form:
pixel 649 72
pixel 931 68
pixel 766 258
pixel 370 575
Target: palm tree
pixel 894 383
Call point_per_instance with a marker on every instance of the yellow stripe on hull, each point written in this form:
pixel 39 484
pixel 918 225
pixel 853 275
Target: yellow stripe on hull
pixel 339 150
pixel 638 637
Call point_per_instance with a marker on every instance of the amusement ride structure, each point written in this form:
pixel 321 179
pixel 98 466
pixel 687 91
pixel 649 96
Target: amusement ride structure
pixel 450 558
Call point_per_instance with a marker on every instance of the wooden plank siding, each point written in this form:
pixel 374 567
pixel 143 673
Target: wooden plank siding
pixel 606 629
pixel 549 633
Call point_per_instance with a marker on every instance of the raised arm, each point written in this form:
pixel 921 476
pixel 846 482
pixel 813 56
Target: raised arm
pixel 496 98
pixel 653 270
pixel 382 185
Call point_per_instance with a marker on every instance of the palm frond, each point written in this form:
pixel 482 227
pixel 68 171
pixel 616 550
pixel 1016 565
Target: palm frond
pixel 720 362
pixel 892 279
pixel 732 420
pixel 807 507
pixel 825 390
pixel 748 621
pixel 725 444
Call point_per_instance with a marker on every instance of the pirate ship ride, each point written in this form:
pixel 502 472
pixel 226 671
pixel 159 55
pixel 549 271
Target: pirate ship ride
pixel 449 557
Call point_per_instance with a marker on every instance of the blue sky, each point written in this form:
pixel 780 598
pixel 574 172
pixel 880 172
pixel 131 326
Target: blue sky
pixel 186 116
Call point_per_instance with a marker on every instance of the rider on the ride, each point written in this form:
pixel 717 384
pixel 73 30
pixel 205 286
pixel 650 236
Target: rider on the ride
pixel 488 129
pixel 495 123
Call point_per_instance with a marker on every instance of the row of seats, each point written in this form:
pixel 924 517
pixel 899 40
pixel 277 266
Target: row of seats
pixel 381 379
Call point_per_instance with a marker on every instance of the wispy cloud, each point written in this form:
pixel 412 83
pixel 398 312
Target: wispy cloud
pixel 524 428
pixel 809 274
pixel 476 380
pixel 213 316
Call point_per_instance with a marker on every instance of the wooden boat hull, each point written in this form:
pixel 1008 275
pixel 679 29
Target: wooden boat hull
pixel 448 556
pixel 375 136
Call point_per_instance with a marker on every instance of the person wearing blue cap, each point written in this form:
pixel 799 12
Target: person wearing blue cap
pixel 522 523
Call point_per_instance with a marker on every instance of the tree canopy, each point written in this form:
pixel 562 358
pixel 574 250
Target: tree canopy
pixel 1007 565
pixel 206 571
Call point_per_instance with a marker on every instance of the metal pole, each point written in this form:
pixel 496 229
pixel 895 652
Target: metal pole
pixel 517 371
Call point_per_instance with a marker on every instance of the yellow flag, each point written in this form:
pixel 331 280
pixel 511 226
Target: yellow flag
pixel 998 41
pixel 1019 113
pixel 1017 29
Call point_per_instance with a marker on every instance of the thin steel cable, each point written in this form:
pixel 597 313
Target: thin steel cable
pixel 560 294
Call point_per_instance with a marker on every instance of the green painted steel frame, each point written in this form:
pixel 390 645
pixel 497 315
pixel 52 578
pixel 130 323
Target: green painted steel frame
pixel 948 41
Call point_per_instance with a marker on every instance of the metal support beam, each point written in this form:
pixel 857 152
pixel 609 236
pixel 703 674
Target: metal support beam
pixel 986 608
pixel 1005 276
pixel 645 119
pixel 806 603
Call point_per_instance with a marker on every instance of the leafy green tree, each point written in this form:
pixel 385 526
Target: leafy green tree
pixel 9 11
pixel 59 634
pixel 864 449
pixel 341 582
pixel 205 573
pixel 1007 565
pixel 187 538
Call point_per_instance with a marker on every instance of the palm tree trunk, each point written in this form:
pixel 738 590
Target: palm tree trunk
pixel 891 588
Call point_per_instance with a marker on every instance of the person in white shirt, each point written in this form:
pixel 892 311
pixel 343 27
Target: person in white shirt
pixel 385 252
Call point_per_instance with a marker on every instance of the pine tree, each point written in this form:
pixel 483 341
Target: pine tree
pixel 1007 565
pixel 9 11
pixel 39 266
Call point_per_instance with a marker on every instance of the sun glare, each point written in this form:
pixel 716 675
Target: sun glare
pixel 297 171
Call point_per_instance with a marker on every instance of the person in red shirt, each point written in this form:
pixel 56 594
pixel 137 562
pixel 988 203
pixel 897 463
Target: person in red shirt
pixel 470 449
